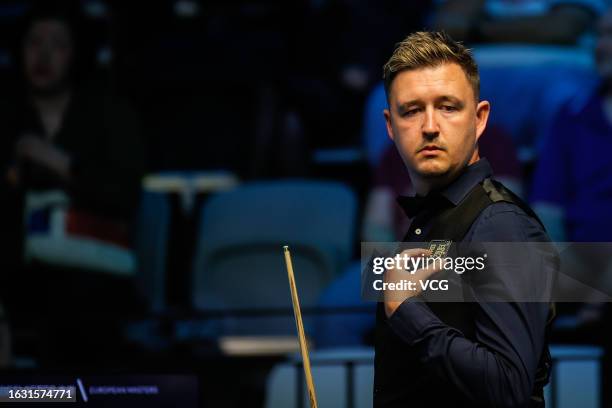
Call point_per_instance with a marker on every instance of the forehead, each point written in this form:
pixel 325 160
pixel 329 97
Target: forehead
pixel 447 79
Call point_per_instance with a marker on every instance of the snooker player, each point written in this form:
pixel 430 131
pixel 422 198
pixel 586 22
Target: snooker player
pixel 490 354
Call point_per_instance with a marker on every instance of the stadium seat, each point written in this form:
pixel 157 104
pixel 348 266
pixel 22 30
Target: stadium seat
pixel 335 372
pixel 576 377
pixel 151 241
pixel 239 263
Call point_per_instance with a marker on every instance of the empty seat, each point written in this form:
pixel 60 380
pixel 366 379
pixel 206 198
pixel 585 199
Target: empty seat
pixel 239 263
pixel 151 242
pixel 343 377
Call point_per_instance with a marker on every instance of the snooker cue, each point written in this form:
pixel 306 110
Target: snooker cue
pixel 300 329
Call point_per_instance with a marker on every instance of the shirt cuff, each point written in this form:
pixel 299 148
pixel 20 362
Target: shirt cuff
pixel 410 320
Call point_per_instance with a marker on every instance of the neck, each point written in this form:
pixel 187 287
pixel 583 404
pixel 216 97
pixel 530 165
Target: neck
pixel 424 186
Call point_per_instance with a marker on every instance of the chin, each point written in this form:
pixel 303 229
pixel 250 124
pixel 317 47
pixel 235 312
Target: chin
pixel 432 168
pixel 46 87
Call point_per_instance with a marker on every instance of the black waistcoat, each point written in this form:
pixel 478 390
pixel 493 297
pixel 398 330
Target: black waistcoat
pixel 400 379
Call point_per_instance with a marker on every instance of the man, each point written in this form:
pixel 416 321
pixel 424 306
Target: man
pixel 439 354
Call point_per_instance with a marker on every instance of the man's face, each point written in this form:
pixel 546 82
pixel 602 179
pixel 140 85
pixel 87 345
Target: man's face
pixel 434 120
pixel 603 51
pixel 47 53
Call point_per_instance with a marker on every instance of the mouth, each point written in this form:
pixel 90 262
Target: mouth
pixel 430 150
pixel 41 71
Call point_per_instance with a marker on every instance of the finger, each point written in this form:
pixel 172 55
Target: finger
pixel 426 273
pixel 397 287
pixel 432 266
pixel 395 274
pixel 416 252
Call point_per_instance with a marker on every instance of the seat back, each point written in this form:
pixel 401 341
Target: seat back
pixel 343 377
pixel 151 243
pixel 239 261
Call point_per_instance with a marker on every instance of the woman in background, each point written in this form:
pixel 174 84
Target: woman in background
pixel 63 135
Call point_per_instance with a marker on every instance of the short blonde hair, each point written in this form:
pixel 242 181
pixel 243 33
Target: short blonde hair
pixel 430 49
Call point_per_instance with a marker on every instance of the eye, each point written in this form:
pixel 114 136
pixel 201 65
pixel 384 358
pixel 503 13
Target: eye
pixel 449 108
pixel 411 112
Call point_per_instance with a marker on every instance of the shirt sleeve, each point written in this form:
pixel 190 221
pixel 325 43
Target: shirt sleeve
pixel 509 336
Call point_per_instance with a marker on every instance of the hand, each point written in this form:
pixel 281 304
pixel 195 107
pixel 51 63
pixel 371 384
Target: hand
pixel 37 150
pixel 394 298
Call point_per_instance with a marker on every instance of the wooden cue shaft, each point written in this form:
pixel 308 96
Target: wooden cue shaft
pixel 300 328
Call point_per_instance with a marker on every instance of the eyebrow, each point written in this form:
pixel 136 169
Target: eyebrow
pixel 451 99
pixel 404 105
pixel 443 98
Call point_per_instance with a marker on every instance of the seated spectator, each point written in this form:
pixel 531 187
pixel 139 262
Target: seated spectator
pixel 526 21
pixel 572 185
pixel 73 162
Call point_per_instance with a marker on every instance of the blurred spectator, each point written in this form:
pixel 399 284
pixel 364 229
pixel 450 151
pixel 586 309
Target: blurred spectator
pixel 73 160
pixel 572 186
pixel 523 21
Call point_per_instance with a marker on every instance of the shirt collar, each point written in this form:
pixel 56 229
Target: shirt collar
pixel 473 174
pixel 455 192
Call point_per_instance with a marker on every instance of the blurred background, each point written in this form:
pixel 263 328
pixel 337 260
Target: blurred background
pixel 157 155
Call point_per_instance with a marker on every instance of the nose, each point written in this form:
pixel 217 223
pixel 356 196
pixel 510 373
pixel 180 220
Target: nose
pixel 430 125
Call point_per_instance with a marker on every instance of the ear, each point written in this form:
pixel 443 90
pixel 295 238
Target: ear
pixel 387 114
pixel 482 116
